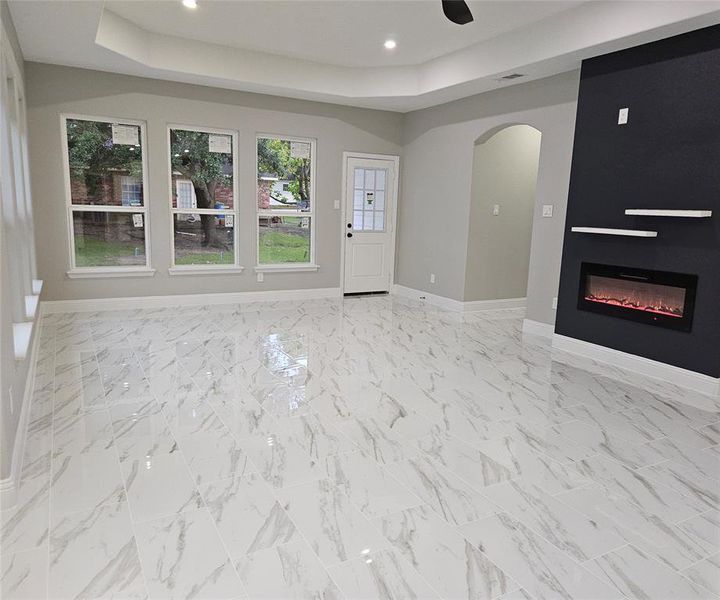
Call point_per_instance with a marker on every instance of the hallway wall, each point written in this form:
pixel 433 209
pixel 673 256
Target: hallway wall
pixel 505 168
pixel 434 210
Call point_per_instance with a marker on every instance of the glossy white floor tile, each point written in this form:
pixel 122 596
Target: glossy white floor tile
pixel 442 556
pixel 182 557
pixel 93 554
pixel 352 448
pixel 23 575
pixel 290 571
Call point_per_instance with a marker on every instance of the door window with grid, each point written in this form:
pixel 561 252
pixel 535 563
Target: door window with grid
pixel 369 199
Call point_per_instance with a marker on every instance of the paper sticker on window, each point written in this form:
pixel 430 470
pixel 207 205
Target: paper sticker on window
pixel 137 220
pixel 128 135
pixel 370 197
pixel 299 150
pixel 229 220
pixel 220 143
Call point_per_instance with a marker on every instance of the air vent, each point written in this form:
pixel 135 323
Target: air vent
pixel 513 76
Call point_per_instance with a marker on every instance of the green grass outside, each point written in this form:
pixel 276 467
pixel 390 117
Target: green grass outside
pixel 278 248
pixel 202 258
pixel 275 248
pixel 90 252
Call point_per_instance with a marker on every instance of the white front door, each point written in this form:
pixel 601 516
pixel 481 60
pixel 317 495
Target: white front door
pixel 369 224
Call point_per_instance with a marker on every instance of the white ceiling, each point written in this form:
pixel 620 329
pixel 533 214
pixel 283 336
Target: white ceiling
pixel 331 50
pixel 347 33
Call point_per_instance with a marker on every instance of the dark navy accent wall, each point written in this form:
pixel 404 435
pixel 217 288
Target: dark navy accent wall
pixel 667 156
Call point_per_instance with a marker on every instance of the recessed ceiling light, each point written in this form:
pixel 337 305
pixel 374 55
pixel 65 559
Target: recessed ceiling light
pixel 189 3
pixel 390 44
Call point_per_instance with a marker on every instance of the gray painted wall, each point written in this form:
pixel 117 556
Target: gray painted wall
pixel 53 90
pixel 434 205
pixel 504 173
pixel 13 374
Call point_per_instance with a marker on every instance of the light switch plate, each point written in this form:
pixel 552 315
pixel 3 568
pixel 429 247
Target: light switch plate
pixel 547 210
pixel 554 303
pixel 337 204
pixel 496 210
pixel 623 114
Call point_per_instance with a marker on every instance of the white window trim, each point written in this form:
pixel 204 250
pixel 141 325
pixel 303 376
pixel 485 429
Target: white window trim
pixel 76 272
pixel 106 272
pixel 311 265
pixel 226 269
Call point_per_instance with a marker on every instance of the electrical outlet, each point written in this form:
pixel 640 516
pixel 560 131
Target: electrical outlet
pixel 261 277
pixel 623 114
pixel 432 277
pixel 554 303
pixel 547 210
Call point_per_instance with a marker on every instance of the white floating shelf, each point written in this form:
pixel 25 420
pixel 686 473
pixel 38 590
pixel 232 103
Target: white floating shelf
pixel 661 212
pixel 607 231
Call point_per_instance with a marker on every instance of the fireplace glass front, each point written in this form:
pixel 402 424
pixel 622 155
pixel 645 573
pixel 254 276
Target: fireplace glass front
pixel 655 297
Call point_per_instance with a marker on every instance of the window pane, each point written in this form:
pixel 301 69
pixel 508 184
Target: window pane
pixel 204 240
pixel 379 221
pixel 284 239
pixel 202 170
pixel 358 200
pixel 359 179
pixel 380 181
pixel 379 201
pixel 105 162
pixel 284 172
pixel 358 220
pixel 109 239
pixel 369 179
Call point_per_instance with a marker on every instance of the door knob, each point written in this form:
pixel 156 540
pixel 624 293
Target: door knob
pixel 349 225
pixel 349 234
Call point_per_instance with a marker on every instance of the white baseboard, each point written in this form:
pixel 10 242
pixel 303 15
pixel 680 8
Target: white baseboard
pixel 474 305
pixel 682 378
pixel 95 304
pixel 457 305
pixel 531 327
pixel 435 300
pixel 9 485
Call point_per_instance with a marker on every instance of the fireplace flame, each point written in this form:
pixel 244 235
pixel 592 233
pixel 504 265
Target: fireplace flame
pixel 636 295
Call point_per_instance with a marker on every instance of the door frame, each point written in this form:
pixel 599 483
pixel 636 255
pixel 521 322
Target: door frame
pixel 393 213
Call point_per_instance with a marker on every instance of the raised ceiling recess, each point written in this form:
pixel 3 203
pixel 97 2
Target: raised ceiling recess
pixel 333 51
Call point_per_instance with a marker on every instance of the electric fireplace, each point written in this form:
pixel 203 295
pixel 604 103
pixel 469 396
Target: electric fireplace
pixel 654 297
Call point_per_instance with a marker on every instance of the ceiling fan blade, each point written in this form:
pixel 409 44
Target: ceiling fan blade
pixel 457 11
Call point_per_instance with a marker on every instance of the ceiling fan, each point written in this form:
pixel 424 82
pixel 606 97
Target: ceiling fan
pixel 457 11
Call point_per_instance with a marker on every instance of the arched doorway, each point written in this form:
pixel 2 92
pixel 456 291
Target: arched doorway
pixel 505 168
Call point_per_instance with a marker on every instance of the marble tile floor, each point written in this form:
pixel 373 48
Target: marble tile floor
pixel 358 448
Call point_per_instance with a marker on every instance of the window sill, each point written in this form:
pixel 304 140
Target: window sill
pixel 22 332
pixel 286 268
pixel 203 270
pixel 96 273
